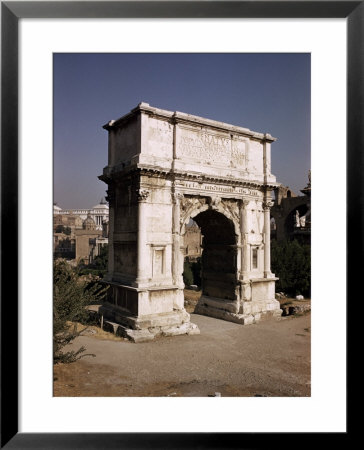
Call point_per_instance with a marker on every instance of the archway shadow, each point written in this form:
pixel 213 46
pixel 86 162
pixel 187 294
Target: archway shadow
pixel 219 255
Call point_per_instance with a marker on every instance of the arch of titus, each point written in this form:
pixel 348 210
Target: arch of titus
pixel 165 168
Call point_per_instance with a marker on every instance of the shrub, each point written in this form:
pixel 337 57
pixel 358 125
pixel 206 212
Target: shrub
pixel 291 263
pixel 99 265
pixel 71 295
pixel 67 231
pixel 196 271
pixel 59 229
pixel 187 273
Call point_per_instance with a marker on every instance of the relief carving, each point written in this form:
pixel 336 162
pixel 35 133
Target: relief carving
pixel 177 197
pixel 267 205
pixel 232 208
pixel 143 195
pixel 189 204
pixel 211 148
pixel 244 203
pixel 214 202
pixel 238 153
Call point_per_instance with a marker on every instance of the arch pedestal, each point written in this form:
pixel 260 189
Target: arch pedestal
pixel 164 169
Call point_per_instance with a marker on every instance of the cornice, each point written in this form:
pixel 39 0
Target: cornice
pixel 178 175
pixel 177 117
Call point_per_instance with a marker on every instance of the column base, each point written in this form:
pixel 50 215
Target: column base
pixel 243 312
pixel 147 327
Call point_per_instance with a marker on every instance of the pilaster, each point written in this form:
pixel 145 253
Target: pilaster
pixel 176 258
pixel 111 199
pixel 267 205
pixel 142 251
pixel 244 275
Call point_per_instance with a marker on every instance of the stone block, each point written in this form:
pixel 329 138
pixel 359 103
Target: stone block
pixel 248 320
pixel 185 328
pixel 246 307
pixel 139 335
pixel 219 303
pixel 257 307
pixel 110 327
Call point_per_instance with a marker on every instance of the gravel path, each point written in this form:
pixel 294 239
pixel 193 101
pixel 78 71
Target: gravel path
pixel 271 358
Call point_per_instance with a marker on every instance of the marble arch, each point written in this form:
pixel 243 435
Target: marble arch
pixel 163 169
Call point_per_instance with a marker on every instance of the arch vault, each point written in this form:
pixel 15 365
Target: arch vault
pixel 165 168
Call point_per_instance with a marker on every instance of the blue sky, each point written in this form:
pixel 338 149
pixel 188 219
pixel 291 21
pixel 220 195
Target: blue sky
pixel 268 93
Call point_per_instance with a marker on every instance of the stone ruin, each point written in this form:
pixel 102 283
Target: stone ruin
pixel 165 168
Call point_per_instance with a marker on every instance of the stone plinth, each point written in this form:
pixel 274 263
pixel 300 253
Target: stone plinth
pixel 147 327
pixel 261 305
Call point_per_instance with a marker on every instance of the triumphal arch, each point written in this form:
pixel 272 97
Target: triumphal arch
pixel 164 169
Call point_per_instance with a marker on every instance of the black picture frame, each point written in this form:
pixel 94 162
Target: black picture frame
pixel 11 12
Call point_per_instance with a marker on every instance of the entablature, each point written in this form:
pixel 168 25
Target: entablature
pixel 196 183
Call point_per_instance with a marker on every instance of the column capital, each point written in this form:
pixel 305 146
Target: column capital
pixel 244 203
pixel 177 197
pixel 267 205
pixel 143 195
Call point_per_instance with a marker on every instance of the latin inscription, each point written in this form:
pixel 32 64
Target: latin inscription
pixel 216 188
pixel 212 148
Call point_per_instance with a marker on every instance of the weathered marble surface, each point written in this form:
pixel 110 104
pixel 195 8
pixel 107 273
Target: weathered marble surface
pixel 165 168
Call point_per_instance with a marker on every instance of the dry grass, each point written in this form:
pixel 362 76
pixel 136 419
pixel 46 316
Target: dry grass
pixel 293 302
pixel 95 331
pixel 192 295
pixel 191 299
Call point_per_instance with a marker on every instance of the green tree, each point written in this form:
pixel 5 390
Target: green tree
pixel 99 265
pixel 67 230
pixel 101 260
pixel 71 294
pixel 187 273
pixel 291 263
pixel 196 270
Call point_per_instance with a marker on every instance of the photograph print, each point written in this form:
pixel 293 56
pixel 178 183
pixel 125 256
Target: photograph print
pixel 182 225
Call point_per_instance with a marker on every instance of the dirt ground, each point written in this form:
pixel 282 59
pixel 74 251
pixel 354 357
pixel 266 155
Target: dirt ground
pixel 271 358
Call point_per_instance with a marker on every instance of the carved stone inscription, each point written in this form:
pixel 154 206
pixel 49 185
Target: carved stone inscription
pixel 238 152
pixel 209 187
pixel 212 148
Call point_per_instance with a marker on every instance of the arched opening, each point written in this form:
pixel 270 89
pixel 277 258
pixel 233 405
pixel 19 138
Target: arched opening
pixel 218 260
pixel 273 228
pixel 293 222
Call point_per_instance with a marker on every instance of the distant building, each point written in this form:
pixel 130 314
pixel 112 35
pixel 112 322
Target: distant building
pixel 192 242
pixel 80 233
pixel 99 213
pixel 66 221
pixel 291 214
pixel 63 246
pixel 89 241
